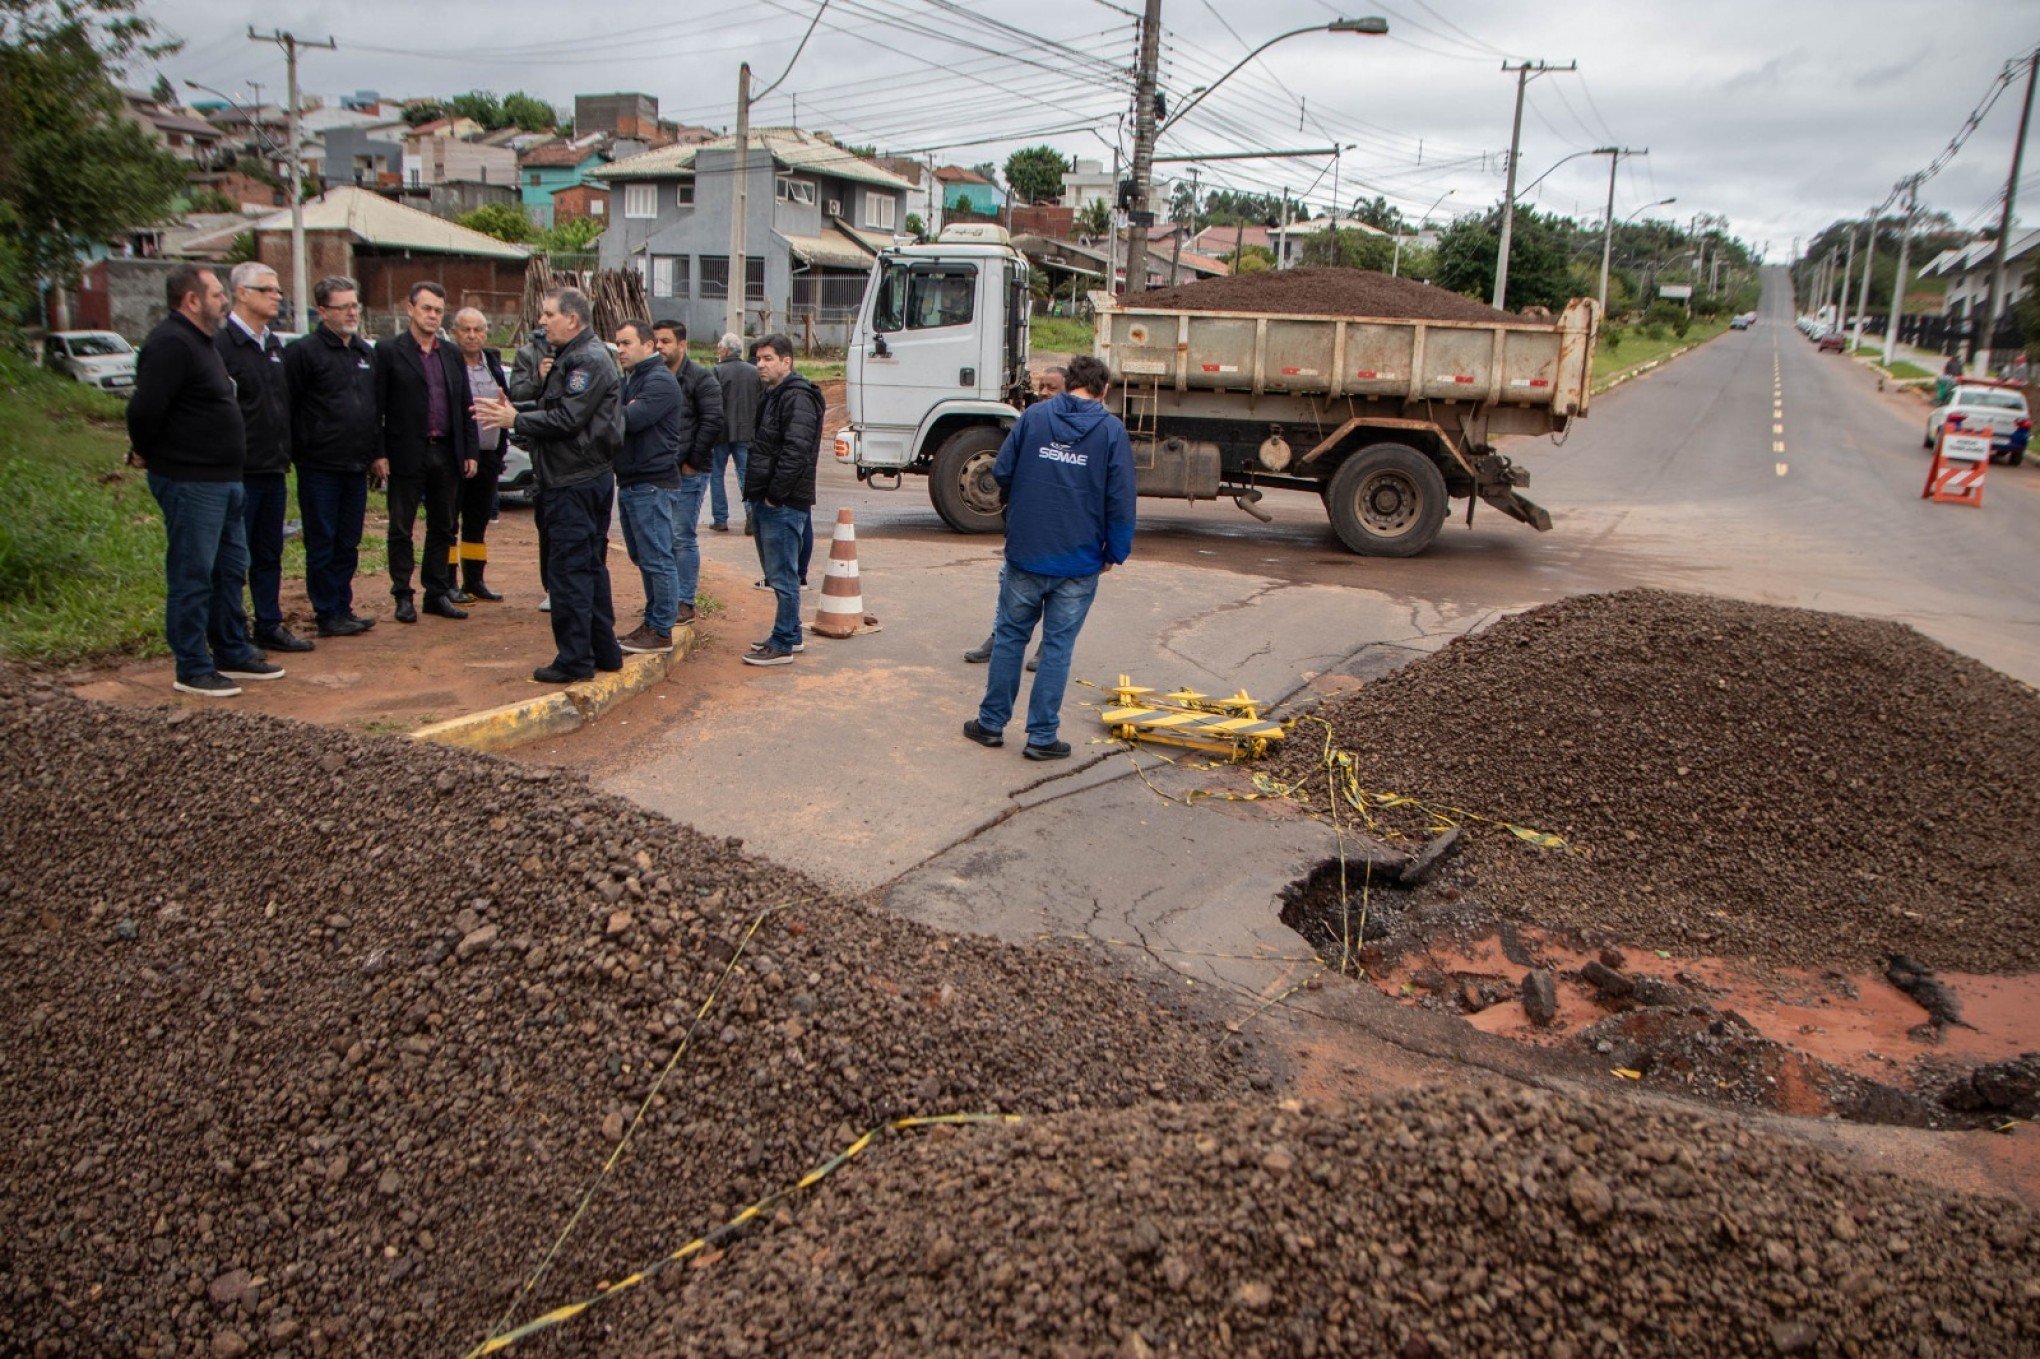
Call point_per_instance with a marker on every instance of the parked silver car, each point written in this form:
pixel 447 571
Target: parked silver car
pixel 97 358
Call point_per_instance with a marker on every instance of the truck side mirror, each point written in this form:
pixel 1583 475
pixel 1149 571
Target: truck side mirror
pixel 878 349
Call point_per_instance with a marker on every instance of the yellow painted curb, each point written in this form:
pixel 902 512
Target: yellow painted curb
pixel 561 711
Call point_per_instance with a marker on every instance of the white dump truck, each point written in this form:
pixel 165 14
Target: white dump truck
pixel 1385 418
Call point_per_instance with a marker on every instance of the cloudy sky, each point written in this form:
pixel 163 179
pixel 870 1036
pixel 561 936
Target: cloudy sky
pixel 1778 114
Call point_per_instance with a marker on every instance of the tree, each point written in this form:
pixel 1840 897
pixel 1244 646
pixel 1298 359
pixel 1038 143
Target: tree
pixel 481 105
pixel 575 237
pixel 424 111
pixel 1251 259
pixel 915 227
pixel 1352 249
pixel 1094 218
pixel 1035 173
pixel 528 112
pixel 501 220
pixel 1379 212
pixel 73 171
pixel 163 92
pixel 1538 275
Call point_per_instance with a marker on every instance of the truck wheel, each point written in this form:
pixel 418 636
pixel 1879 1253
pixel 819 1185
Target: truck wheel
pixel 961 482
pixel 1387 501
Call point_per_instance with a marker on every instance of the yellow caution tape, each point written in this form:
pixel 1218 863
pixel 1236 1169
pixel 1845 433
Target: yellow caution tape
pixel 501 1340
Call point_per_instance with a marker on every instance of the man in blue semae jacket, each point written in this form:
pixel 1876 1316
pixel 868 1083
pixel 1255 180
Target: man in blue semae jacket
pixel 1067 474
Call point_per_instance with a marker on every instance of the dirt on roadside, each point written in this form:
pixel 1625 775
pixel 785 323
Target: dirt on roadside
pixel 1322 291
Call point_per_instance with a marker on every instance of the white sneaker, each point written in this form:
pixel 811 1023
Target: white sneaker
pixel 545 605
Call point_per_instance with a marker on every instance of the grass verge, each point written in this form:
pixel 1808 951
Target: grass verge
pixel 1637 349
pixel 1060 334
pixel 81 539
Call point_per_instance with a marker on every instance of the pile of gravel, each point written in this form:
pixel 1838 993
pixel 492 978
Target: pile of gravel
pixel 1483 1222
pixel 1322 291
pixel 312 1042
pixel 1735 779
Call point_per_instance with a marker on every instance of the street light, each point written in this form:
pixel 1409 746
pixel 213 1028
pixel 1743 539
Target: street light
pixel 1646 208
pixel 1373 26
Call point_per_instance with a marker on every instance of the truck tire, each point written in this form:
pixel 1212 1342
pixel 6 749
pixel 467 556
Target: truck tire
pixel 1387 500
pixel 960 483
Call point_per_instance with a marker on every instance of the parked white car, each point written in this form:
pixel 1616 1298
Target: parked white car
pixel 1999 408
pixel 97 358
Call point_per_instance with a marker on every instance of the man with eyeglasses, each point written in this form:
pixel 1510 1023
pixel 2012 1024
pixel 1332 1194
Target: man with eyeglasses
pixel 254 359
pixel 336 443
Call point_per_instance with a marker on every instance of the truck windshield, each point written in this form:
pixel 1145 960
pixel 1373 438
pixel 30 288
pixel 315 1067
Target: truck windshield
pixel 924 296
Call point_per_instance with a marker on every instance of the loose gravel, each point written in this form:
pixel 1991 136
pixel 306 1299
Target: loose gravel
pixel 1735 779
pixel 1483 1222
pixel 312 1042
pixel 1322 291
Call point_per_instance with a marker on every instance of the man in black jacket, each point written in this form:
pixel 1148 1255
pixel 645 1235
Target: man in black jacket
pixel 701 429
pixel 780 486
pixel 741 391
pixel 648 477
pixel 254 360
pixel 574 431
pixel 429 443
pixel 185 429
pixel 478 492
pixel 335 440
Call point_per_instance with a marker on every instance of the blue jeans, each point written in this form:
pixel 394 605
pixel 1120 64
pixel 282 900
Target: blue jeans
pixel 647 512
pixel 779 533
pixel 262 515
pixel 332 505
pixel 686 539
pixel 1059 604
pixel 718 498
pixel 205 568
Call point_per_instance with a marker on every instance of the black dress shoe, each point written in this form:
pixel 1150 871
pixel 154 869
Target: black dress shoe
pixel 459 596
pixel 281 639
pixel 406 611
pixel 483 592
pixel 983 735
pixel 346 625
pixel 442 606
pixel 552 674
pixel 361 622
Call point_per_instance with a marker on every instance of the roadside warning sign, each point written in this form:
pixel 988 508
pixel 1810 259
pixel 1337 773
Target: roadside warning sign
pixel 1955 477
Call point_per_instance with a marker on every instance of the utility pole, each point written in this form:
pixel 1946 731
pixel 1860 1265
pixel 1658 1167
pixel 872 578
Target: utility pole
pixel 1614 155
pixel 1523 72
pixel 1139 216
pixel 1848 272
pixel 740 204
pixel 1863 289
pixel 1995 311
pixel 1912 206
pixel 1282 235
pixel 299 289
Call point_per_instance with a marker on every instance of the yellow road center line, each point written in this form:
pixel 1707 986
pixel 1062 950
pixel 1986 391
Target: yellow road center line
pixel 1777 429
pixel 1781 469
pixel 1777 445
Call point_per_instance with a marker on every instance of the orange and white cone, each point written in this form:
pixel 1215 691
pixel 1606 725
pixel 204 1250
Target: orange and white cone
pixel 842 605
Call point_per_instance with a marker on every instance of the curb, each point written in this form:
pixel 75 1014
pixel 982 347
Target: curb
pixel 561 711
pixel 1629 374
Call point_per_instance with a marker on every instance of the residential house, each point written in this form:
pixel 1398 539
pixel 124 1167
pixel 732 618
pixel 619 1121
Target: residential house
pixel 1089 183
pixel 386 247
pixel 922 200
pixel 358 155
pixel 1968 272
pixel 1074 268
pixel 580 202
pixel 816 217
pixel 455 198
pixel 633 117
pixel 434 158
pixel 559 164
pixel 457 128
pixel 184 135
pixel 1221 241
pixel 968 191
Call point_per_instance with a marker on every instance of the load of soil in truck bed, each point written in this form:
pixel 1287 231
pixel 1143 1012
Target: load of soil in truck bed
pixel 1322 292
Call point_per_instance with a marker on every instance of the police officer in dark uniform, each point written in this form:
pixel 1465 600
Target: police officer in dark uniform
pixel 574 430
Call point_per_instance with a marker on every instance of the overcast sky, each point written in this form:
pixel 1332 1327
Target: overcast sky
pixel 1779 114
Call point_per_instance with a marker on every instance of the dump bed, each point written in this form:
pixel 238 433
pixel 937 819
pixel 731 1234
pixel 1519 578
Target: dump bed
pixel 1517 363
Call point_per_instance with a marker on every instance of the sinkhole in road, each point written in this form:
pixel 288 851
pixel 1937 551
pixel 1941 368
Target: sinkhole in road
pixel 1811 1043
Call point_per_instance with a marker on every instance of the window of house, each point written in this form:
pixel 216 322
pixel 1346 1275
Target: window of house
pixel 533 178
pixel 597 206
pixel 669 276
pixel 683 193
pixel 640 201
pixel 800 191
pixel 879 209
pixel 715 277
pixel 925 296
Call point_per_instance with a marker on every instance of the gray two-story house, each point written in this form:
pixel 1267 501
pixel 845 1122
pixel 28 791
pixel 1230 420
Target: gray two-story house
pixel 816 218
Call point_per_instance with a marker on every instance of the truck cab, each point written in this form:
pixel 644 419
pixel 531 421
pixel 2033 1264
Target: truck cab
pixel 937 365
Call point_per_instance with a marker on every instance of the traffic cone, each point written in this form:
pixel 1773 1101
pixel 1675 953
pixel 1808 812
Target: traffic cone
pixel 842 605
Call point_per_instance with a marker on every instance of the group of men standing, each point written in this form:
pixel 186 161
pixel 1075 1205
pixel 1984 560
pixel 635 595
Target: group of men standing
pixel 223 410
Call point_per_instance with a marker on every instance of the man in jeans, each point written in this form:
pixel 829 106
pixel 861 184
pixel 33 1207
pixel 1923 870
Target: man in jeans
pixel 648 482
pixel 741 390
pixel 701 425
pixel 185 429
pixel 335 438
pixel 779 486
pixel 1067 474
